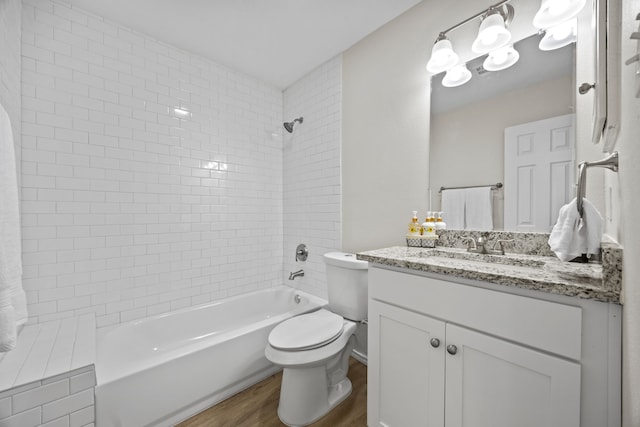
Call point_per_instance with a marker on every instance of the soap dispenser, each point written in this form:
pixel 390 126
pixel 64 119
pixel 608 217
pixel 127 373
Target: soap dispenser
pixel 414 232
pixel 414 225
pixel 428 228
pixel 429 236
pixel 440 224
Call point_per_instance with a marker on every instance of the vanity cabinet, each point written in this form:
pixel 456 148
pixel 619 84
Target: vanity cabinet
pixel 453 354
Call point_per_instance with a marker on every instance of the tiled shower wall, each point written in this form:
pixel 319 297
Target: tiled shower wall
pixel 312 180
pixel 129 207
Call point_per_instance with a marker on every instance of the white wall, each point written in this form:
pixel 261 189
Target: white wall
pixel 386 123
pixel 624 225
pixel 129 210
pixel 385 130
pixel 312 192
pixel 477 130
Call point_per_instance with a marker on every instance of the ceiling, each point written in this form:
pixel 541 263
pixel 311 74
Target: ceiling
pixel 277 41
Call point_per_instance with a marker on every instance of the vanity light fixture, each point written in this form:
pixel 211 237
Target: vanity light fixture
pixel 554 12
pixel 560 35
pixel 501 59
pixel 443 57
pixel 456 76
pixel 555 17
pixel 493 33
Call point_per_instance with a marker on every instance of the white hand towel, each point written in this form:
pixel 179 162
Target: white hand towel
pixel 453 208
pixel 478 208
pixel 573 236
pixel 12 298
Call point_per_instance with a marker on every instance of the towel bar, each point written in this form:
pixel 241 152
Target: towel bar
pixel 493 187
pixel 610 162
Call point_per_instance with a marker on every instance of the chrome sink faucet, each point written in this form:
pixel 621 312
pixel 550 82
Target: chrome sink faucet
pixel 293 275
pixel 479 246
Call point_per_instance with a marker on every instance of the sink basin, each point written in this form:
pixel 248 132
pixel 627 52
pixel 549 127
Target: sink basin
pixel 516 260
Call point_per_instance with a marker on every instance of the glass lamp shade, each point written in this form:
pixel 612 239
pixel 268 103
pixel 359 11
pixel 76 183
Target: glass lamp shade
pixel 456 76
pixel 442 57
pixel 559 36
pixel 491 35
pixel 501 59
pixel 554 12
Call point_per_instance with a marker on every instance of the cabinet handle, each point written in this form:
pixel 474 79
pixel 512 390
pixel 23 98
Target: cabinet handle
pixel 585 87
pixel 435 342
pixel 452 349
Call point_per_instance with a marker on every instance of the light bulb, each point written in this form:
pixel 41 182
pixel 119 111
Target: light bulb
pixel 563 30
pixel 555 12
pixel 557 7
pixel 559 36
pixel 442 58
pixel 455 74
pixel 499 56
pixel 489 37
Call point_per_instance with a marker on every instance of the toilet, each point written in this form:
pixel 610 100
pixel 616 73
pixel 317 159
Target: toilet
pixel 314 348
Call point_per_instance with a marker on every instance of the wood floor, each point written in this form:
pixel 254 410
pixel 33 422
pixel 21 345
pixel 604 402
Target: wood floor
pixel 257 406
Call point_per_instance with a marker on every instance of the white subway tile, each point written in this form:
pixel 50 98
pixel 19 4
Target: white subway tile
pixel 81 29
pixel 60 422
pixel 82 381
pixel 83 417
pixel 67 405
pixel 71 135
pixel 30 418
pixel 5 407
pixel 41 395
pixel 68 38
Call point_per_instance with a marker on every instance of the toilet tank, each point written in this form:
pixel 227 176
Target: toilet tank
pixel 347 283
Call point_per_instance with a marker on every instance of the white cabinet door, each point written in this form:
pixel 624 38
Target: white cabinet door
pixel 405 369
pixel 495 383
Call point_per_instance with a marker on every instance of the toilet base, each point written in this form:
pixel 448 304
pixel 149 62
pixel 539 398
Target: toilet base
pixel 308 393
pixel 306 397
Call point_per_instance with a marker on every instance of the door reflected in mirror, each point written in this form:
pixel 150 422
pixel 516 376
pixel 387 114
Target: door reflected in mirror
pixel 468 122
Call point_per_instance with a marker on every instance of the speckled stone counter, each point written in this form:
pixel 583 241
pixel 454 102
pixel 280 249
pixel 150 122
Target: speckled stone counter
pixel 525 271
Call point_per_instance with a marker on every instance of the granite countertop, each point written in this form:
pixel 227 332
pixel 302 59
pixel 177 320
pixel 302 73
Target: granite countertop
pixel 534 272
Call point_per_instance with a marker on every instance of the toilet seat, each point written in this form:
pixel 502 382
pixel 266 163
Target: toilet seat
pixel 307 331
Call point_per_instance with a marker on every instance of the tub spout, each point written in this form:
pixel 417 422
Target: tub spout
pixel 295 274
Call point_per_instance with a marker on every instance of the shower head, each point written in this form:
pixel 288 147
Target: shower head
pixel 289 125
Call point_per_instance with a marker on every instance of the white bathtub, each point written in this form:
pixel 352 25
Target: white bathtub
pixel 163 369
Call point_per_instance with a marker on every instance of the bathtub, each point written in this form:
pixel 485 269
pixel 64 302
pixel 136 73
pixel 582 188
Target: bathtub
pixel 163 369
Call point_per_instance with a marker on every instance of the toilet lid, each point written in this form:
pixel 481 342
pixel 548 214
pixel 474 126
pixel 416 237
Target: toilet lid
pixel 307 331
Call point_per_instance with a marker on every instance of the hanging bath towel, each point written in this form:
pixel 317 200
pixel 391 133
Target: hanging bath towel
pixel 478 208
pixel 453 208
pixel 13 311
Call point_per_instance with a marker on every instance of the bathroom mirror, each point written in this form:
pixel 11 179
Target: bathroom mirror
pixel 468 121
